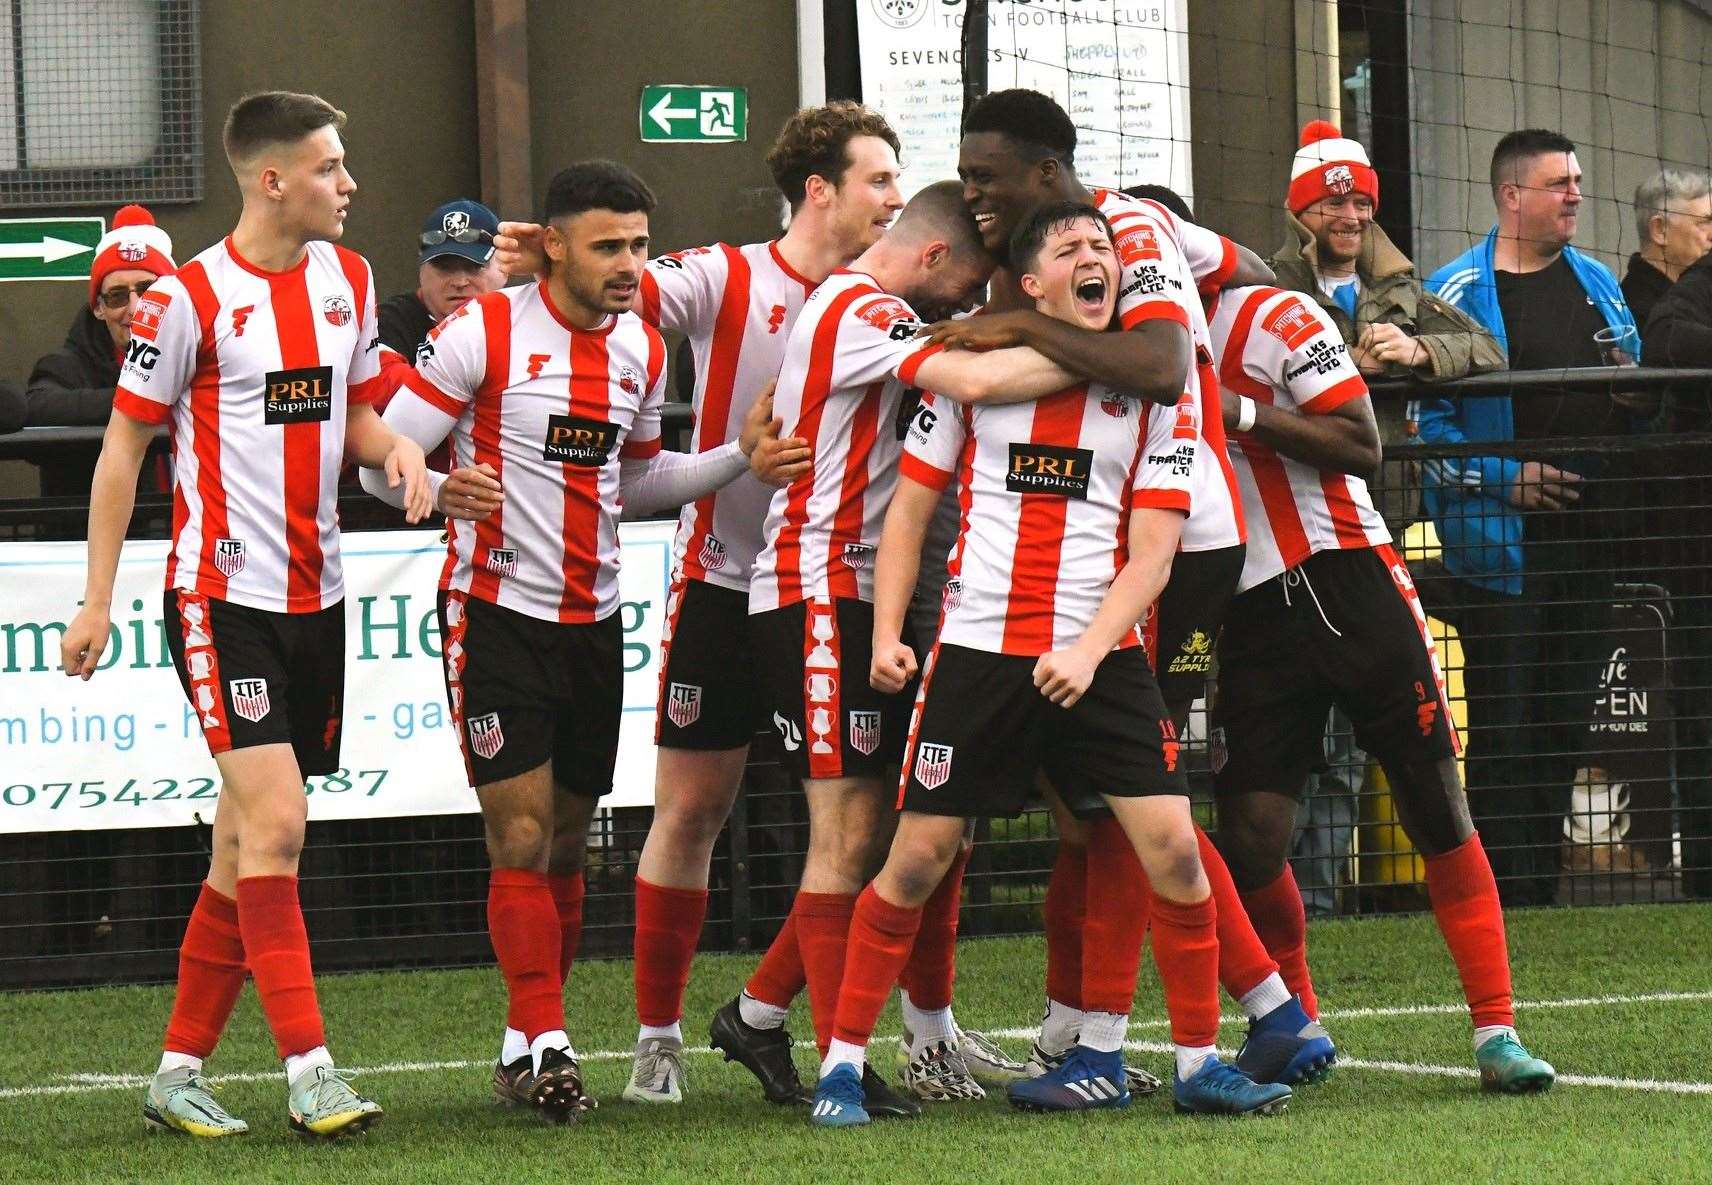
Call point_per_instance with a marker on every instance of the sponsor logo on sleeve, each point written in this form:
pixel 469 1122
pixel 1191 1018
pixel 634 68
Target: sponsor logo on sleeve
pixel 1181 459
pixel 865 732
pixel 145 322
pixel 683 704
pixel 302 395
pixel 249 698
pixel 486 736
pixel 888 313
pixel 1049 469
pixel 140 357
pixel 1137 244
pixel 932 765
pixel 1322 357
pixel 574 440
pixel 1291 324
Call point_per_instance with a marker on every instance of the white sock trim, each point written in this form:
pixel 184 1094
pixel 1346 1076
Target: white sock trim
pixel 552 1039
pixel 1191 1059
pixel 514 1046
pixel 926 1025
pixel 1485 1033
pixel 299 1063
pixel 758 1014
pixel 1060 1027
pixel 843 1053
pixel 1269 994
pixel 673 1031
pixel 1104 1032
pixel 179 1061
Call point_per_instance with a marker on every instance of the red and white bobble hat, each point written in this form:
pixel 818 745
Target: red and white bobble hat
pixel 134 244
pixel 1327 165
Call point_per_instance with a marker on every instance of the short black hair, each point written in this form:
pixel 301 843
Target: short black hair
pixel 1032 232
pixel 1034 122
pixel 1165 196
pixel 596 185
pixel 265 118
pixel 1520 146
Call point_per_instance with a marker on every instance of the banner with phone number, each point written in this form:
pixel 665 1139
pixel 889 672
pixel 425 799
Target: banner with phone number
pixel 125 750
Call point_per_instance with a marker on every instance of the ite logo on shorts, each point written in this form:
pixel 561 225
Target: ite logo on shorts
pixel 486 737
pixel 683 704
pixel 249 698
pixel 865 732
pixel 932 765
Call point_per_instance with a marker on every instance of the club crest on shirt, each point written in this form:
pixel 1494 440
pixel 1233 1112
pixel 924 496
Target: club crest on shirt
pixel 864 732
pixel 630 380
pixel 857 555
pixel 1115 405
pixel 249 698
pixel 337 310
pixel 486 736
pixel 683 704
pixel 712 553
pixel 502 561
pixel 932 765
pixel 229 556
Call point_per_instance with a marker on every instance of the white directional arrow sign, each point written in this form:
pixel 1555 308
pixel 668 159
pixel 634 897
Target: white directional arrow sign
pixel 663 113
pixel 49 250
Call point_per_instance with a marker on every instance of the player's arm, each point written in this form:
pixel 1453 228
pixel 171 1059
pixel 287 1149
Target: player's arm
pixel 520 249
pixel 1014 375
pixel 1063 675
pixel 1344 439
pixel 668 480
pixel 373 444
pixel 1150 361
pixel 112 498
pixel 1250 269
pixel 897 563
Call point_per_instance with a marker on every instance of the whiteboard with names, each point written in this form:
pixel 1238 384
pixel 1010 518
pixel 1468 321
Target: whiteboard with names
pixel 1119 67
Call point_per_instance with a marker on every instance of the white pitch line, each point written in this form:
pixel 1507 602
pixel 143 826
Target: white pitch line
pixel 89 1083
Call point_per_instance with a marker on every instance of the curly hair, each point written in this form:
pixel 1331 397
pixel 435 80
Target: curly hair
pixel 1030 120
pixel 816 142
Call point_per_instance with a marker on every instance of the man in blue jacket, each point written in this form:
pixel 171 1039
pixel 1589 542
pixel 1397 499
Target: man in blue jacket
pixel 1522 529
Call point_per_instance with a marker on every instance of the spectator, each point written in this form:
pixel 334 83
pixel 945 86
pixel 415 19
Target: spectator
pixel 456 265
pixel 1532 637
pixel 1679 333
pixel 74 384
pixel 1673 213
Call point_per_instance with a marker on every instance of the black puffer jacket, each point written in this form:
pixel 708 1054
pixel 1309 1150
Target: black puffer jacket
pixel 69 387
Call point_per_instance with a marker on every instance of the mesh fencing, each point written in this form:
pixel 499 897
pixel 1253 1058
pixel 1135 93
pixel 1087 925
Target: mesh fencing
pixel 100 102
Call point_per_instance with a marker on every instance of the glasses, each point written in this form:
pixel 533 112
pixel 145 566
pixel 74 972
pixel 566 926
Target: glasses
pixel 118 298
pixel 470 234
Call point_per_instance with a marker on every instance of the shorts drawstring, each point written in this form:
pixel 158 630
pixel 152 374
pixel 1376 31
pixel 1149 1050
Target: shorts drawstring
pixel 1294 576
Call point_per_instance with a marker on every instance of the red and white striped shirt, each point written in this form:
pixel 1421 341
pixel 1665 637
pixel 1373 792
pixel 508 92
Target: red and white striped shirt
pixel 850 357
pixel 254 371
pixel 736 305
pixel 552 408
pixel 1167 264
pixel 1280 348
pixel 1046 489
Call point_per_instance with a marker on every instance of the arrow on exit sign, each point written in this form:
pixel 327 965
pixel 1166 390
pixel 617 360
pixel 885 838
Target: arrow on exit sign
pixel 48 248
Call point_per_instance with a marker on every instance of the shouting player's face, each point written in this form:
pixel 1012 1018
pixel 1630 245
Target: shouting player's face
pixel 866 198
pixel 596 260
pixel 1074 276
pixel 1000 186
pixel 313 186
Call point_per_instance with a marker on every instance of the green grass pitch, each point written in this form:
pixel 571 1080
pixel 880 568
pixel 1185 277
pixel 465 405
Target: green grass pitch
pixel 1619 1000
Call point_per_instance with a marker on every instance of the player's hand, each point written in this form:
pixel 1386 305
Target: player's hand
pixel 892 668
pixel 406 464
pixel 83 641
pixel 471 493
pixel 989 331
pixel 1063 675
pixel 1544 487
pixel 519 249
pixel 1382 344
pixel 776 460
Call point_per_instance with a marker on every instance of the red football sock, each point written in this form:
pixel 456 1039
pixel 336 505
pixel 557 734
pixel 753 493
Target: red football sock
pixel 1186 949
pixel 568 901
pixel 780 975
pixel 1243 961
pixel 668 926
pixel 1465 902
pixel 1115 923
pixel 823 929
pixel 1282 924
pixel 1063 911
pixel 880 937
pixel 276 946
pixel 931 971
pixel 210 975
pixel 524 927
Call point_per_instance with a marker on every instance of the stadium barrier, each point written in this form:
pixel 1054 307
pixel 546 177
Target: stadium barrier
pixel 1586 740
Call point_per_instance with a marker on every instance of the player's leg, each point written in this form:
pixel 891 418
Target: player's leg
pixel 1064 912
pixel 881 933
pixel 1394 696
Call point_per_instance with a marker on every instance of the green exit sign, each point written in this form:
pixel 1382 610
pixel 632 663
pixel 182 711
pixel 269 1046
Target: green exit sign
pixel 48 248
pixel 676 114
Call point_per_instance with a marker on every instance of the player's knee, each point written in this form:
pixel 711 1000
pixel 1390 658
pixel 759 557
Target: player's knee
pixel 691 821
pixel 517 841
pixel 1253 847
pixel 569 854
pixel 1431 805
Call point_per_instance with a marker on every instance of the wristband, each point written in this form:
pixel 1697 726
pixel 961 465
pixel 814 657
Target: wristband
pixel 1246 410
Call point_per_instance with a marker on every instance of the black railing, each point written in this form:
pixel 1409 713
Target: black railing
pixel 1585 692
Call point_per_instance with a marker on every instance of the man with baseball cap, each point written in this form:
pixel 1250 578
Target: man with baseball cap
pixel 74 384
pixel 456 265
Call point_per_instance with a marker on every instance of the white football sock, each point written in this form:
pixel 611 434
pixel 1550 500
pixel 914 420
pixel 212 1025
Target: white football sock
pixel 927 1026
pixel 760 1015
pixel 514 1046
pixel 297 1063
pixel 1485 1033
pixel 1268 994
pixel 843 1053
pixel 1103 1032
pixel 179 1061
pixel 1060 1026
pixel 1191 1059
pixel 553 1039
pixel 674 1031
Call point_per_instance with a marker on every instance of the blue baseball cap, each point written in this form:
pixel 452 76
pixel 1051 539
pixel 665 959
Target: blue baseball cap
pixel 462 228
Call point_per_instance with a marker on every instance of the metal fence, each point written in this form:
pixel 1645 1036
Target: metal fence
pixel 1583 691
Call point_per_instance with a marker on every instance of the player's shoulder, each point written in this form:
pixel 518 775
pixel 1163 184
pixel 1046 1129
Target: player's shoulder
pixel 352 263
pixel 713 256
pixel 632 328
pixel 1273 318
